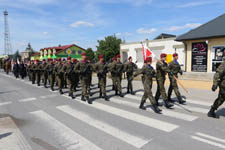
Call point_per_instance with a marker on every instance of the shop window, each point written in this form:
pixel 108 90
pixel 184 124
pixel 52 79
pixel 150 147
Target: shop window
pixel 218 56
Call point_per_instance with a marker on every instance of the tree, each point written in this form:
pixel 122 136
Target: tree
pixel 109 47
pixel 90 53
pixel 16 56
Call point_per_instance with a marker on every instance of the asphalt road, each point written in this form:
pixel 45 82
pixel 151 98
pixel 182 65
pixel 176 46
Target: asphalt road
pixel 35 118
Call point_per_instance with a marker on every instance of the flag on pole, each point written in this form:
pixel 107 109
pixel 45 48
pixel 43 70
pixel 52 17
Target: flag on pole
pixel 147 52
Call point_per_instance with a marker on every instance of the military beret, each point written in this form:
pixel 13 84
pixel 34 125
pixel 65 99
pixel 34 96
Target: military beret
pixel 74 60
pixel 149 59
pixel 68 58
pixel 58 59
pixel 101 56
pixel 175 54
pixel 113 58
pixel 129 58
pixel 118 56
pixel 49 59
pixel 163 55
pixel 83 54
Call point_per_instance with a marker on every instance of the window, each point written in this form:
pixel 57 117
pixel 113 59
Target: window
pixel 79 52
pixel 139 55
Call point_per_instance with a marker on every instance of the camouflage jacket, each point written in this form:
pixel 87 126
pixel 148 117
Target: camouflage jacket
pixel 161 70
pixel 130 68
pixel 148 73
pixel 219 77
pixel 175 68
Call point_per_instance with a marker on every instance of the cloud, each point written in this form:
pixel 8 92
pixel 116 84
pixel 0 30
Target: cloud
pixel 130 2
pixel 45 33
pixel 186 26
pixel 146 31
pixel 194 4
pixel 118 34
pixel 81 24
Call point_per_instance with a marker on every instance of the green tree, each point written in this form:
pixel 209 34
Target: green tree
pixel 109 47
pixel 16 56
pixel 90 53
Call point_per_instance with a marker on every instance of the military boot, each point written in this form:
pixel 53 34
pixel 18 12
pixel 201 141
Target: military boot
pixel 113 87
pixel 88 100
pixel 106 97
pixel 212 113
pixel 52 88
pixel 71 95
pixel 168 104
pixel 156 109
pixel 142 105
pixel 180 100
pixel 82 98
pixel 121 95
pixel 170 100
pixel 116 92
pixel 60 91
pixel 132 92
pixel 100 95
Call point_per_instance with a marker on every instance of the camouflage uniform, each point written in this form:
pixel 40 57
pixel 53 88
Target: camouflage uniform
pixel 218 81
pixel 130 67
pixel 44 71
pixel 162 69
pixel 175 68
pixel 117 70
pixel 84 69
pixel 60 76
pixel 68 68
pixel 148 72
pixel 101 70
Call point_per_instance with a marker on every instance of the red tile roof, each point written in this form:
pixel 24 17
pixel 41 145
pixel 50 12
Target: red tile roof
pixel 60 48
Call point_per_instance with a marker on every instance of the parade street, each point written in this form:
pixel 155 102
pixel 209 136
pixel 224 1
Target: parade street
pixel 36 118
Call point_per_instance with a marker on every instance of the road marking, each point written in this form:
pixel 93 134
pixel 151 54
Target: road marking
pixel 11 136
pixel 48 96
pixel 169 113
pixel 210 137
pixel 63 135
pixel 208 142
pixel 154 123
pixel 28 99
pixel 117 133
pixel 191 108
pixel 5 103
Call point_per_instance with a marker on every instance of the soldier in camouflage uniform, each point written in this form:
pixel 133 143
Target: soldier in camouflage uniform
pixel 44 72
pixel 101 69
pixel 148 72
pixel 83 68
pixel 49 69
pixel 162 69
pixel 33 71
pixel 112 72
pixel 68 68
pixel 130 67
pixel 218 81
pixel 59 75
pixel 38 69
pixel 175 68
pixel 64 75
pixel 90 75
pixel 75 75
pixel 117 70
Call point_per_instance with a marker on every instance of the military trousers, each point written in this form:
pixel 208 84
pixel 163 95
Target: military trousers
pixel 38 77
pixel 70 84
pixel 60 81
pixel 161 89
pixel 102 84
pixel 84 85
pixel 129 82
pixel 220 99
pixel 118 83
pixel 173 86
pixel 52 80
pixel 148 93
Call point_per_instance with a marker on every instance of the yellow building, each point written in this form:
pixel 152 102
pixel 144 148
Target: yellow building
pixel 205 46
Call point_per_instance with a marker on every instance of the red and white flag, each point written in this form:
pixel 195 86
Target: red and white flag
pixel 147 52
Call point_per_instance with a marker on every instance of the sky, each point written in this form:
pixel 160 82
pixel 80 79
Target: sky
pixel 46 23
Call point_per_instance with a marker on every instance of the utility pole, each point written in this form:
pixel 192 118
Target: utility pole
pixel 7 44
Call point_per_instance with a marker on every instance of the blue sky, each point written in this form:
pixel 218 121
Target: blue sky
pixel 46 23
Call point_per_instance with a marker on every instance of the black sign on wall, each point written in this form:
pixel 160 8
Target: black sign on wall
pixel 199 57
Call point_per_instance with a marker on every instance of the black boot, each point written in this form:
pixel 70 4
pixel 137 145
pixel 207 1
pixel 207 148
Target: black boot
pixel 61 92
pixel 116 93
pixel 168 104
pixel 100 95
pixel 52 88
pixel 142 105
pixel 156 109
pixel 113 88
pixel 170 100
pixel 157 103
pixel 121 95
pixel 212 113
pixel 181 101
pixel 128 91
pixel 132 92
pixel 82 98
pixel 88 100
pixel 45 86
pixel 106 97
pixel 71 95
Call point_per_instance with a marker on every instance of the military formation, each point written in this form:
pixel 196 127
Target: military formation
pixel 70 73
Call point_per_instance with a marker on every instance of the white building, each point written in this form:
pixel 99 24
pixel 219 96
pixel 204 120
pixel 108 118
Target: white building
pixel 164 43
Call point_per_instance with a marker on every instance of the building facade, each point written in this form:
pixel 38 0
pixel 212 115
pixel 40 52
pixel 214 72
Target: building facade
pixel 166 45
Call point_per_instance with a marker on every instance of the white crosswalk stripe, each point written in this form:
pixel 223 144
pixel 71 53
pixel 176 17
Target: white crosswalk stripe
pixel 28 99
pixel 11 136
pixel 64 136
pixel 165 112
pixel 5 103
pixel 189 108
pixel 117 133
pixel 154 123
pixel 210 137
